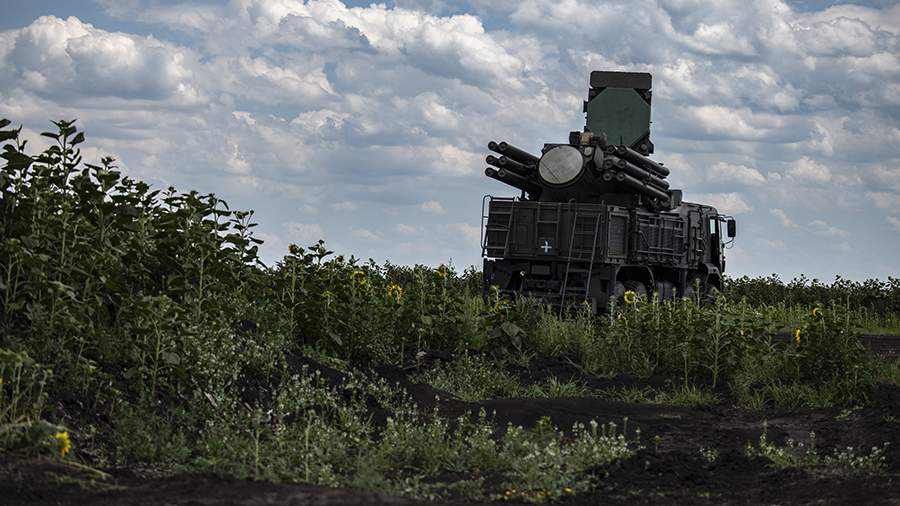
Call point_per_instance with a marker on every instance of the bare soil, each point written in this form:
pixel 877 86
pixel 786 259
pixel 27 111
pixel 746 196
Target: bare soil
pixel 669 470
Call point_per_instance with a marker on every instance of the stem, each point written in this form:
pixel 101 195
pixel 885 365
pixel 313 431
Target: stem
pixel 155 360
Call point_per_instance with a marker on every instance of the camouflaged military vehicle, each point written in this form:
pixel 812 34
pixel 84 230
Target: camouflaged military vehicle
pixel 595 220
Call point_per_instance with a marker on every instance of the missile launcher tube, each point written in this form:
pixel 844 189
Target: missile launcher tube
pixel 640 174
pixel 519 155
pixel 646 189
pixel 514 180
pixel 518 168
pixel 640 160
pixel 510 165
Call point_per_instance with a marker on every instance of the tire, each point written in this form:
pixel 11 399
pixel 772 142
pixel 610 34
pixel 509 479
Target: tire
pixel 690 292
pixel 711 294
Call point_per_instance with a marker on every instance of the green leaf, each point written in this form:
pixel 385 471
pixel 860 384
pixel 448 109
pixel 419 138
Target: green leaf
pixel 4 123
pixel 78 139
pixel 511 329
pixel 51 135
pixel 17 160
pixel 9 134
pixel 170 358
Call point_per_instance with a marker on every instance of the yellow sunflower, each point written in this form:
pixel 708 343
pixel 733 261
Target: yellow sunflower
pixel 62 440
pixel 359 278
pixel 630 297
pixel 395 291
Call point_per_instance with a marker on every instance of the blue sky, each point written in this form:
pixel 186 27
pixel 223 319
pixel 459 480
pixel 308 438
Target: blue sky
pixel 366 125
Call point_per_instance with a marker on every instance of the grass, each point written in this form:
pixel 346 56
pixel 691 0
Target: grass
pixel 804 455
pixel 474 377
pixel 142 323
pixel 400 456
pixel 691 396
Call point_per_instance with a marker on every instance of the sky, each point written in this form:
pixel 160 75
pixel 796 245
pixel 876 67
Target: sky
pixel 366 125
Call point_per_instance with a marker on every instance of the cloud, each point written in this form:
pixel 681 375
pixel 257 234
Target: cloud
pixel 344 206
pixel 304 233
pixel 405 229
pixel 269 82
pixel 365 234
pixel 885 200
pixel 470 233
pixel 808 170
pixel 822 228
pixel 894 222
pixel 721 122
pixel 726 203
pixel 432 206
pixel 56 58
pixel 455 46
pixel 773 245
pixel 738 173
pixel 277 105
pixel 782 217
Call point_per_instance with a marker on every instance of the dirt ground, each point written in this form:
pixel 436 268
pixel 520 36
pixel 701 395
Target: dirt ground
pixel 669 470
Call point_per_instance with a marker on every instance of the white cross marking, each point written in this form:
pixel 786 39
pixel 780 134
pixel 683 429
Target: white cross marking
pixel 546 247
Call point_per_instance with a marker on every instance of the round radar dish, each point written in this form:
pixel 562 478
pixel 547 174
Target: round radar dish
pixel 560 165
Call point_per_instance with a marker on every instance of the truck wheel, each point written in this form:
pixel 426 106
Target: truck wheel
pixel 665 290
pixel 711 294
pixel 690 292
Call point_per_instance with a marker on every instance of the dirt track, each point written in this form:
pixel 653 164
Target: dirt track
pixel 888 346
pixel 669 470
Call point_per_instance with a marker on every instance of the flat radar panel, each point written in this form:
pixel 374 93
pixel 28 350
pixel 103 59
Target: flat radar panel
pixel 561 165
pixel 620 113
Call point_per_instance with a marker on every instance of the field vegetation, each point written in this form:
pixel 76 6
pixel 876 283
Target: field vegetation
pixel 139 327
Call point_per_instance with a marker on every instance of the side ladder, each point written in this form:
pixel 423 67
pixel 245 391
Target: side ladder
pixel 583 227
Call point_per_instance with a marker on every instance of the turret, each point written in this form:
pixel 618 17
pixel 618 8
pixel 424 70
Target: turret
pixel 607 162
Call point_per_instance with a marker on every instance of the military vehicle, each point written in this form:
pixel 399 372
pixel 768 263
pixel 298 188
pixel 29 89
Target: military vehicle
pixel 596 220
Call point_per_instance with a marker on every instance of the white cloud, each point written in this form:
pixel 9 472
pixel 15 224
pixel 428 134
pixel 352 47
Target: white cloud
pixel 470 233
pixel 822 228
pixel 280 104
pixel 773 244
pixel 894 222
pixel 885 200
pixel 738 173
pixel 57 58
pixel 719 122
pixel 727 203
pixel 843 247
pixel 883 176
pixel 782 217
pixel 344 206
pixel 266 82
pixel 403 229
pixel 432 206
pixel 808 170
pixel 304 233
pixel 365 234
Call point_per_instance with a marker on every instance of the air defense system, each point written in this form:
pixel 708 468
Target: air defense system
pixel 596 218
